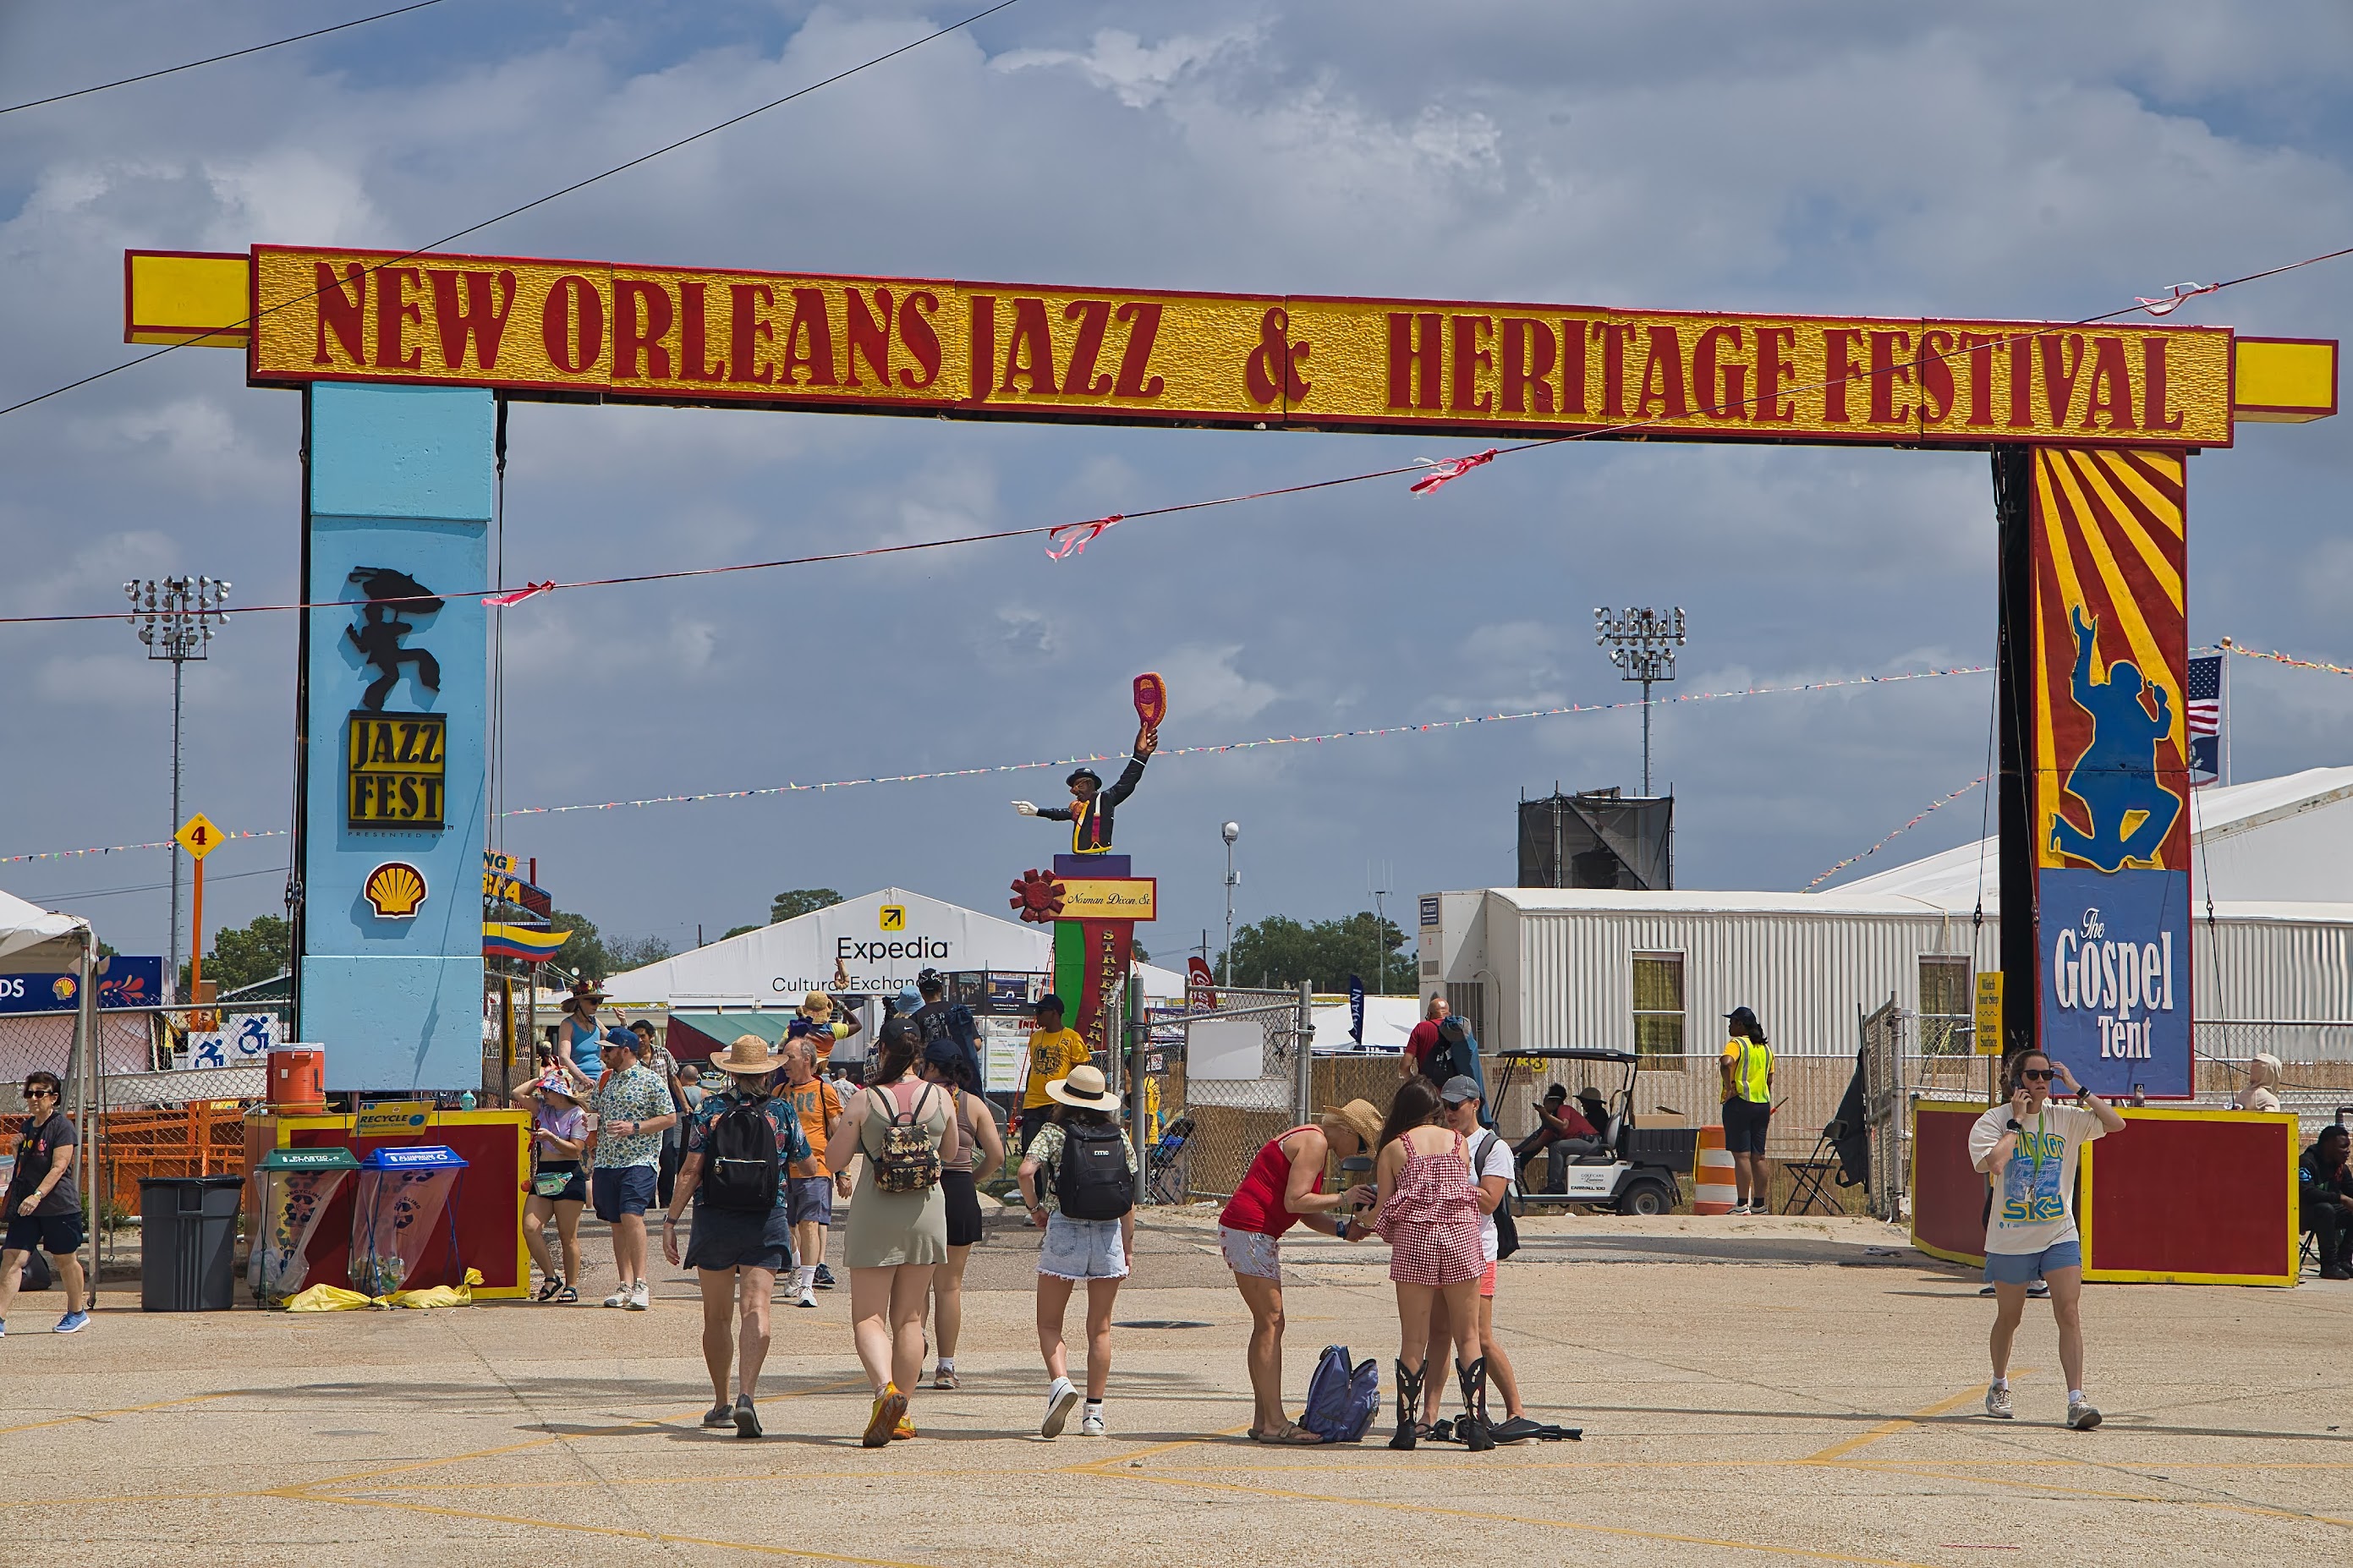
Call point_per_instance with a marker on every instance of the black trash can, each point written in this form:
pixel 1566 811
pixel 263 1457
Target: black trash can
pixel 188 1233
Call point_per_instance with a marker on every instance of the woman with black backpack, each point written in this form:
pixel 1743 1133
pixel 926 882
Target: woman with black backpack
pixel 907 1128
pixel 1087 1213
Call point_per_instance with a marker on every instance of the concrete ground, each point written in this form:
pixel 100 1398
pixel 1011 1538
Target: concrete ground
pixel 1751 1389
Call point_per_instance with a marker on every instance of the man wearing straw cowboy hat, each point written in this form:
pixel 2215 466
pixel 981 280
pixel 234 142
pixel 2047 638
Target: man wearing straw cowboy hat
pixel 739 1149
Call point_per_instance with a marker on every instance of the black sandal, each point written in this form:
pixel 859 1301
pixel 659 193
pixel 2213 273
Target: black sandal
pixel 550 1287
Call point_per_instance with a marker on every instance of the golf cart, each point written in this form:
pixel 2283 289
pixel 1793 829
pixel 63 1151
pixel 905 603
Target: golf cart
pixel 1635 1172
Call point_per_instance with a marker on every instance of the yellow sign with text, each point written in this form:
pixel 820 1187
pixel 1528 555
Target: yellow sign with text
pixel 1108 897
pixel 933 345
pixel 1988 1015
pixel 393 1118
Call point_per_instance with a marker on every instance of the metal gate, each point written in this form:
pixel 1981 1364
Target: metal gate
pixel 1242 1075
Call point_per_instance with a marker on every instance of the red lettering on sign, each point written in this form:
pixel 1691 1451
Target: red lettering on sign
pixel 641 319
pixel 695 363
pixel 1030 350
pixel 2021 382
pixel 395 315
pixel 2058 383
pixel 1141 319
pixel 1572 367
pixel 1413 360
pixel 1888 372
pixel 1719 390
pixel 746 331
pixel 811 324
pixel 2111 388
pixel 920 339
pixel 344 314
pixel 868 335
pixel 1776 372
pixel 1092 316
pixel 475 317
pixel 1612 336
pixel 1469 359
pixel 983 368
pixel 1935 369
pixel 573 324
pixel 1663 376
pixel 1979 347
pixel 1839 370
pixel 1529 355
pixel 2152 386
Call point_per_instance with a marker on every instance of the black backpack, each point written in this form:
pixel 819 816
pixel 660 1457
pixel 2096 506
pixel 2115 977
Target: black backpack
pixel 738 1160
pixel 1507 1229
pixel 1091 1180
pixel 1455 1055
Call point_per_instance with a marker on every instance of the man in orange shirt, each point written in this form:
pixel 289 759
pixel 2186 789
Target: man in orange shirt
pixel 808 1191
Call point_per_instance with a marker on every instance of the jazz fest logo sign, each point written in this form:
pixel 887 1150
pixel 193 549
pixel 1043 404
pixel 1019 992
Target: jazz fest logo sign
pixel 2111 654
pixel 396 770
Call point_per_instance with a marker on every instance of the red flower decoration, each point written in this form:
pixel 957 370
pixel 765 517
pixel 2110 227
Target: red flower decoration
pixel 1037 895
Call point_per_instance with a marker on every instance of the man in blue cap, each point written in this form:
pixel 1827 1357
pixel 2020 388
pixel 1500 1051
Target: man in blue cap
pixel 632 1106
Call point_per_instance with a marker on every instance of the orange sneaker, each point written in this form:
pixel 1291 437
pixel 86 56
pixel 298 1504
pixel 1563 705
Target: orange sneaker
pixel 889 1407
pixel 906 1428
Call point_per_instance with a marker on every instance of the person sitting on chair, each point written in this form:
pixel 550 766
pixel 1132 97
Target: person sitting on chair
pixel 2325 1184
pixel 1562 1133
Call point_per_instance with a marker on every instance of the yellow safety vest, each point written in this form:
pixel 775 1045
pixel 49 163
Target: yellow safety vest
pixel 1752 1070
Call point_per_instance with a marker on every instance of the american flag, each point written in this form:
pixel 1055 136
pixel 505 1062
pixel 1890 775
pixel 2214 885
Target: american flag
pixel 2202 709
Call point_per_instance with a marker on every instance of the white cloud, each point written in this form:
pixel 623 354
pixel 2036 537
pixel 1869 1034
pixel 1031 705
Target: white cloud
pixel 1203 681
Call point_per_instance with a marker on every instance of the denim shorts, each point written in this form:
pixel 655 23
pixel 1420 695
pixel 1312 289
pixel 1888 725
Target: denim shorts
pixel 2024 1267
pixel 1082 1248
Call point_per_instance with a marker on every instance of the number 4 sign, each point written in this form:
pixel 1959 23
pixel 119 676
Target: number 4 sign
pixel 198 835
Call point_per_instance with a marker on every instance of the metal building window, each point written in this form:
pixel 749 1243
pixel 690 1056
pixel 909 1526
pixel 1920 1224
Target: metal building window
pixel 1947 1014
pixel 1659 1004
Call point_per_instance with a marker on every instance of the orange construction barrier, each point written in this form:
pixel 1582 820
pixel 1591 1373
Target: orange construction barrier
pixel 1713 1189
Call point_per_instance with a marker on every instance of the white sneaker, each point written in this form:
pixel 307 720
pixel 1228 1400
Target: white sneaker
pixel 1997 1401
pixel 619 1297
pixel 1090 1424
pixel 807 1298
pixel 1060 1397
pixel 641 1296
pixel 1740 1208
pixel 2080 1415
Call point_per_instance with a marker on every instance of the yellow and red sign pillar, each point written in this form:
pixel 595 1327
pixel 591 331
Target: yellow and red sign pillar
pixel 1094 904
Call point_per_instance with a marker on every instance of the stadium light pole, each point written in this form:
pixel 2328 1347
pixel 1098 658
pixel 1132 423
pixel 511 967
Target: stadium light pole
pixel 1229 831
pixel 175 618
pixel 1641 643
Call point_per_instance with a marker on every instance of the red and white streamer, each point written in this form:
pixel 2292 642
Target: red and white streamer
pixel 1447 472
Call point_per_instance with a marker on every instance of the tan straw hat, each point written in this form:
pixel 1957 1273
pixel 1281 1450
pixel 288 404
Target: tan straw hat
pixel 1362 1119
pixel 1084 1088
pixel 748 1058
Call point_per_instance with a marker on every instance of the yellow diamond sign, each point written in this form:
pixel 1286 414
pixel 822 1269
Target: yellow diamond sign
pixel 198 836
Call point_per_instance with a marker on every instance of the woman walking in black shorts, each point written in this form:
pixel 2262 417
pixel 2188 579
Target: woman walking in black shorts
pixel 981 1150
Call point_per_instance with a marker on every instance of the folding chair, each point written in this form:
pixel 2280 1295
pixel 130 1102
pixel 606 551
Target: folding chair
pixel 1163 1181
pixel 1807 1175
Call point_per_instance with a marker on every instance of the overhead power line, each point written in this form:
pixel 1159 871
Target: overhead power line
pixel 216 59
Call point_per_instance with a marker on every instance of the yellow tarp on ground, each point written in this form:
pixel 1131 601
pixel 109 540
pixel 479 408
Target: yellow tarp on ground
pixel 335 1298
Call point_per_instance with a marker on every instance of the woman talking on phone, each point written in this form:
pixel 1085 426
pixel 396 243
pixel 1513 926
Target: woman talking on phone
pixel 2030 1146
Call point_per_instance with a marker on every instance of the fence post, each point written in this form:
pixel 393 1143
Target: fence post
pixel 1142 1137
pixel 1302 1107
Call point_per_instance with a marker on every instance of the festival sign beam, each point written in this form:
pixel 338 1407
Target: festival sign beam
pixel 400 358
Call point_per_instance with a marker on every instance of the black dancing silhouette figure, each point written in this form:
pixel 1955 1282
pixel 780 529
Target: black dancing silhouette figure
pixel 2115 777
pixel 377 635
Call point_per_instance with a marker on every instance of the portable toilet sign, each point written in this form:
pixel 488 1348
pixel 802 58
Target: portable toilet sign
pixel 401 357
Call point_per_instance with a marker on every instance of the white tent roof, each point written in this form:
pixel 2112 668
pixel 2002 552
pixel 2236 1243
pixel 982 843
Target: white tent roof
pixel 776 965
pixel 24 925
pixel 2279 840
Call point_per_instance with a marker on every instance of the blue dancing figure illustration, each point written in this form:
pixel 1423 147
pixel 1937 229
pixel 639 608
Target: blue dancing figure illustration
pixel 2116 776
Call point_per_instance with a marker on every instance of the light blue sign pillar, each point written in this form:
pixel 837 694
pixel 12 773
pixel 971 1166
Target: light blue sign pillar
pixel 401 479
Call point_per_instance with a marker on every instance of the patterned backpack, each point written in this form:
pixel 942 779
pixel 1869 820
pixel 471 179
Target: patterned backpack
pixel 909 1161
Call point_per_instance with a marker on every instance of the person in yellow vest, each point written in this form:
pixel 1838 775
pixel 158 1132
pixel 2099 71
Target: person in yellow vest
pixel 1746 1068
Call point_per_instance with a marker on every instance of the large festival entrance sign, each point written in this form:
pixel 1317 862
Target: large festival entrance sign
pixel 401 357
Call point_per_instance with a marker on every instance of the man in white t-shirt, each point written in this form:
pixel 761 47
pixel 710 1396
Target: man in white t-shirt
pixel 1492 1167
pixel 2029 1147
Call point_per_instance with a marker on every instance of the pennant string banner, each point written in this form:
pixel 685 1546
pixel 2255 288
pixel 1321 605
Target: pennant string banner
pixel 1917 821
pixel 1213 749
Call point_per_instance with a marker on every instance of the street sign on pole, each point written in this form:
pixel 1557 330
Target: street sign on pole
pixel 198 836
pixel 1988 1019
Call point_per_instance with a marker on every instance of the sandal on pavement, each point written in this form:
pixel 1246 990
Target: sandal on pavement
pixel 549 1287
pixel 1290 1432
pixel 568 1295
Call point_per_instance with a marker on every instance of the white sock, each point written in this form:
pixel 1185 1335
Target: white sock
pixel 1094 1407
pixel 2001 1382
pixel 2074 1396
pixel 804 1277
pixel 947 1363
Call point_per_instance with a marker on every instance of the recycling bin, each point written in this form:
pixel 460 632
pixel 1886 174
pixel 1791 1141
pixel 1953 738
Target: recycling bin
pixel 293 1191
pixel 187 1229
pixel 405 1219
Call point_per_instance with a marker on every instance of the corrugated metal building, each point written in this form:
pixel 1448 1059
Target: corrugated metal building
pixel 2272 965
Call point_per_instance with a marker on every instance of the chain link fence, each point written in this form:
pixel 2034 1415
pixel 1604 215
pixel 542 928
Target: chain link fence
pixel 1237 1067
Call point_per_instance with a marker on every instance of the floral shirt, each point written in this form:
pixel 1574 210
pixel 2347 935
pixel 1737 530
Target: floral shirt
pixel 792 1146
pixel 634 1095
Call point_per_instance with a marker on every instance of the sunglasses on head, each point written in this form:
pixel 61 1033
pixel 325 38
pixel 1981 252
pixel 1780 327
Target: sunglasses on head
pixel 2037 1073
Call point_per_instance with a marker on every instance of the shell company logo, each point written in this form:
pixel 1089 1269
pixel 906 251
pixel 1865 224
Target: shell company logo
pixel 395 889
pixel 63 988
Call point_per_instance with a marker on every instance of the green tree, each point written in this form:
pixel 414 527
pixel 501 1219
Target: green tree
pixel 1280 951
pixel 795 903
pixel 588 952
pixel 241 955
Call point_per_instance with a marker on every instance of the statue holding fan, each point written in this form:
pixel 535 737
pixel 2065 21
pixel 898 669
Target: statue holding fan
pixel 1092 805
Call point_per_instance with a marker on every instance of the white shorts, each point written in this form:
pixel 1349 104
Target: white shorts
pixel 1251 1252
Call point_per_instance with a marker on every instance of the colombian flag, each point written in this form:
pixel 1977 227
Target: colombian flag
pixel 524 943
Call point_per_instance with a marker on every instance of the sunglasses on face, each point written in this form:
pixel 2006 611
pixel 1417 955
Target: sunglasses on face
pixel 2031 1074
pixel 40 1094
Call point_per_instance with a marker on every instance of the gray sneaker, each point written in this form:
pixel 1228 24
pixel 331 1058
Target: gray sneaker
pixel 2080 1415
pixel 719 1415
pixel 641 1296
pixel 1997 1401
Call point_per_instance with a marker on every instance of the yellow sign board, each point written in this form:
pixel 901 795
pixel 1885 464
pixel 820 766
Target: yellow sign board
pixel 396 770
pixel 198 836
pixel 1107 898
pixel 1988 1018
pixel 894 917
pixel 393 1118
pixel 931 345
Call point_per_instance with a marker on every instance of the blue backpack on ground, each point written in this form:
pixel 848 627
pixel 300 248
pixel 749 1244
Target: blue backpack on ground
pixel 1342 1400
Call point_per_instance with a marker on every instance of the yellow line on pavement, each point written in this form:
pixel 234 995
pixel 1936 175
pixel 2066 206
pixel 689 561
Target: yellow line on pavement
pixel 125 1410
pixel 1889 1428
pixel 766 1549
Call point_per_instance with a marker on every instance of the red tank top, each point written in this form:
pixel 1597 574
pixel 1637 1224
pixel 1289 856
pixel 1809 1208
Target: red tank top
pixel 1257 1204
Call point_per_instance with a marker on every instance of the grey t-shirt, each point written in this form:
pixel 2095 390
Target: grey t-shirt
pixel 35 1148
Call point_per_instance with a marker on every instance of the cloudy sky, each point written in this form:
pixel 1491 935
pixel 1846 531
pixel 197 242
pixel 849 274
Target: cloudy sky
pixel 2022 161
